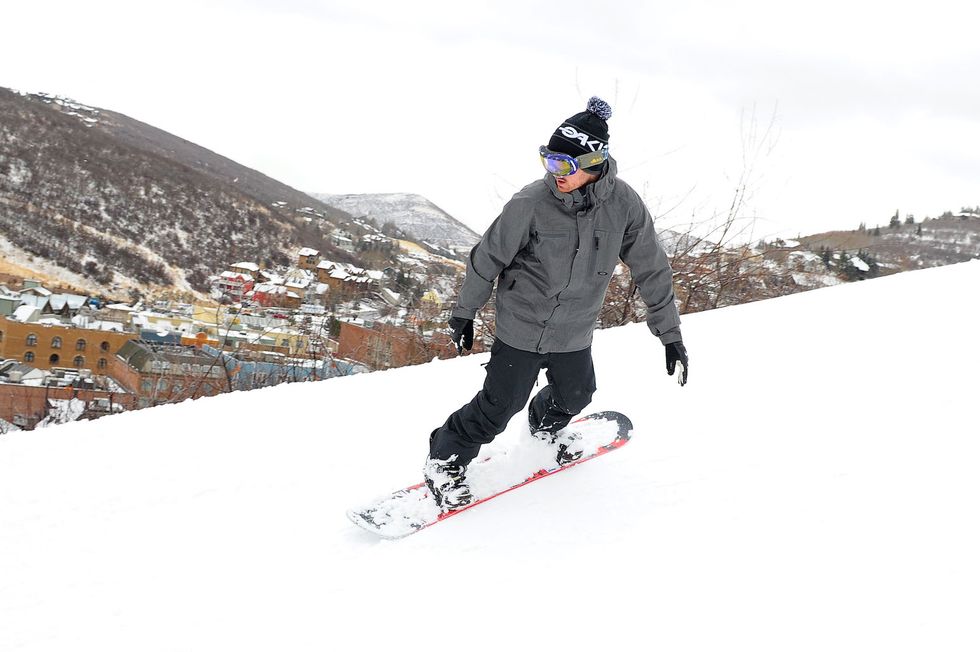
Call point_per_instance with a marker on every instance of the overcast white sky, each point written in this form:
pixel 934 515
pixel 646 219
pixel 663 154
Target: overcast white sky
pixel 873 106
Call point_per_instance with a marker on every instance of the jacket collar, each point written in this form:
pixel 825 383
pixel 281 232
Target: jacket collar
pixel 592 194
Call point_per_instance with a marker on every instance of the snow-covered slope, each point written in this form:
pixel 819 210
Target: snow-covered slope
pixel 413 214
pixel 814 487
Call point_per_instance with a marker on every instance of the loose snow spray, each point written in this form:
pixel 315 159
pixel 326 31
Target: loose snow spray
pixel 499 470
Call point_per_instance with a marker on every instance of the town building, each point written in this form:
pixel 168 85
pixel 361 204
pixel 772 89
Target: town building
pixel 29 395
pixel 234 285
pixel 384 346
pixel 308 259
pixel 9 301
pixel 268 295
pixel 246 268
pixel 167 373
pixel 56 345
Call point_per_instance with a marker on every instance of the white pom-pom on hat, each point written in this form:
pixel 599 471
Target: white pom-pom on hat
pixel 599 107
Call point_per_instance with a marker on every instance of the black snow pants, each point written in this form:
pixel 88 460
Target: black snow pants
pixel 511 375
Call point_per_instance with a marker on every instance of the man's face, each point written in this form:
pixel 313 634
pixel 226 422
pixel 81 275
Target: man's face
pixel 574 181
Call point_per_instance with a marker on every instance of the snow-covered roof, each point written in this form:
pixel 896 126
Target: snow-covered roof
pixel 270 288
pixel 252 267
pixel 111 326
pixel 860 264
pixel 35 300
pixel 391 297
pixel 236 276
pixel 297 275
pixel 38 290
pixel 306 251
pixel 807 256
pixel 26 313
pixel 26 371
pixel 74 301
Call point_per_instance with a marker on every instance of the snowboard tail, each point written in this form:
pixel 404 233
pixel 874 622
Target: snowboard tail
pixel 412 509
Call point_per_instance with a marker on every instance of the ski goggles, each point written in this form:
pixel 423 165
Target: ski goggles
pixel 562 165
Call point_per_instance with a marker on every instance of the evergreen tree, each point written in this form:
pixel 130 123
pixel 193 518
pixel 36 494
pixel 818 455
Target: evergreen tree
pixel 895 221
pixel 872 261
pixel 847 268
pixel 844 265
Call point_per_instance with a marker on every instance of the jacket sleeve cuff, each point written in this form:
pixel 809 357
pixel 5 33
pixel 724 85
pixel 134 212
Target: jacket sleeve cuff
pixel 464 313
pixel 670 336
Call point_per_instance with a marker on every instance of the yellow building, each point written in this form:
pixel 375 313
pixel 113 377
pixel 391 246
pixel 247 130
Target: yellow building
pixel 53 345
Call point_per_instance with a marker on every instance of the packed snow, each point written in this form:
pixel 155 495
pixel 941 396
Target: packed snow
pixel 813 487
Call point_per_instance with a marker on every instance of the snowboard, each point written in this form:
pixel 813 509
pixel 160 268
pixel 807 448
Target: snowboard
pixel 413 508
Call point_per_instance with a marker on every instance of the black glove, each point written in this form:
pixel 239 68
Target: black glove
pixel 462 333
pixel 677 353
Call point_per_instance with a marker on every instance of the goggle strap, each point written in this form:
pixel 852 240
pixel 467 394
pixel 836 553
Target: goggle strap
pixel 593 158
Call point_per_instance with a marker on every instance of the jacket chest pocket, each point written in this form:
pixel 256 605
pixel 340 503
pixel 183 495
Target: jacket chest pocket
pixel 550 246
pixel 605 251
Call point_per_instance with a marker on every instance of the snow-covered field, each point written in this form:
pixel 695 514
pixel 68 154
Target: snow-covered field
pixel 814 487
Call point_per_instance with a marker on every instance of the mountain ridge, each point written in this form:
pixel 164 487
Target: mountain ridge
pixel 412 214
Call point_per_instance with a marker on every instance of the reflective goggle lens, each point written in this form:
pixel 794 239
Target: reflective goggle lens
pixel 560 165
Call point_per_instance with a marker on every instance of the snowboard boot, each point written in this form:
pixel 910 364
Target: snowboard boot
pixel 569 444
pixel 447 482
pixel 547 422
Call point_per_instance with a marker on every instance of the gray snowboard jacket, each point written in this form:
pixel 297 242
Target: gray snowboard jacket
pixel 553 255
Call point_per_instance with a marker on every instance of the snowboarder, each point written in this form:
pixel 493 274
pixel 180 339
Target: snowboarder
pixel 551 252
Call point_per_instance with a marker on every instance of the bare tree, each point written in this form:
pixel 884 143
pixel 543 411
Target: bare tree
pixel 712 265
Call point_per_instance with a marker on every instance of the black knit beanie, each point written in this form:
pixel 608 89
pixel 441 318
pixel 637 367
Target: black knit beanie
pixel 584 132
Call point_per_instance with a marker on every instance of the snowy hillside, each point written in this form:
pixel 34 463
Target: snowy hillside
pixel 415 215
pixel 814 487
pixel 105 203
